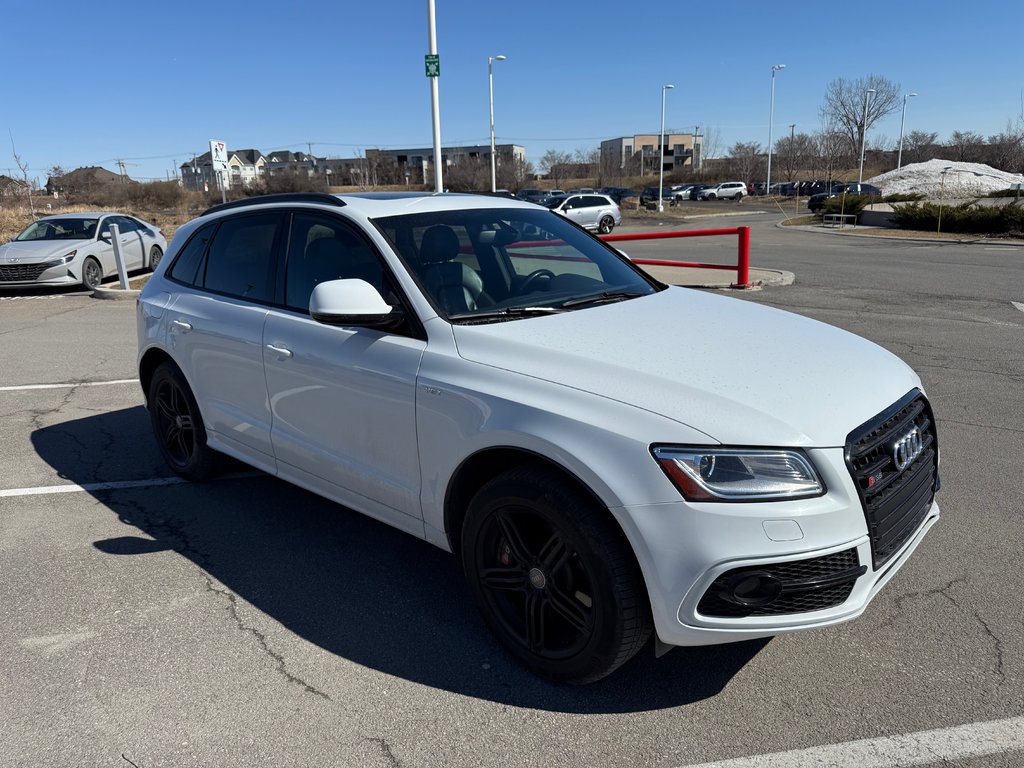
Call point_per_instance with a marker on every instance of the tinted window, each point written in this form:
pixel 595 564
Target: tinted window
pixel 187 264
pixel 125 224
pixel 243 257
pixel 321 249
pixel 591 202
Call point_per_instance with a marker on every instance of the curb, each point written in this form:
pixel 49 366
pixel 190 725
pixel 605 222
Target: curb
pixel 115 294
pixel 874 236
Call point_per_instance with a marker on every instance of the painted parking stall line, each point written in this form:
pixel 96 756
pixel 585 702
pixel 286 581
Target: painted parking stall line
pixel 69 384
pixel 912 749
pixel 115 485
pixel 1019 305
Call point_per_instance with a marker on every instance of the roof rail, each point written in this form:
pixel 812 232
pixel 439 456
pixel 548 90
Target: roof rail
pixel 283 197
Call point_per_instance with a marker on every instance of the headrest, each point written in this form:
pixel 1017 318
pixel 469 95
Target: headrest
pixel 440 243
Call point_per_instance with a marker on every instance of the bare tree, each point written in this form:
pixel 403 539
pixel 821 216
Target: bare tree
pixel 966 146
pixel 845 100
pixel 795 153
pixel 919 146
pixel 746 159
pixel 832 151
pixel 23 167
pixel 553 165
pixel 1006 149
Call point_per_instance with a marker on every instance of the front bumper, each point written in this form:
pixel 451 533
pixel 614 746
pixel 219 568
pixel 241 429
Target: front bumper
pixel 62 274
pixel 684 547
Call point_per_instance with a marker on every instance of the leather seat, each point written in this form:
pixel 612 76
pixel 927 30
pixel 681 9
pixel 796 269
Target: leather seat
pixel 453 285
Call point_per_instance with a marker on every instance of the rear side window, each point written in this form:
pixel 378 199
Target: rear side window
pixel 186 266
pixel 243 257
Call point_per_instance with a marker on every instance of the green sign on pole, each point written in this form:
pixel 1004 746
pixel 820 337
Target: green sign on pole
pixel 432 62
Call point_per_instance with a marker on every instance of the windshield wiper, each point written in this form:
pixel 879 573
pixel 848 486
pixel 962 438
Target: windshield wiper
pixel 508 313
pixel 608 297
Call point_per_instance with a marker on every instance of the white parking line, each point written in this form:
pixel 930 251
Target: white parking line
pixel 1018 305
pixel 89 487
pixel 923 748
pixel 69 384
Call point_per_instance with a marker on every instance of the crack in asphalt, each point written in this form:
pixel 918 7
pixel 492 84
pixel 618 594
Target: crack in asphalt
pixel 385 750
pixel 232 600
pixel 984 426
pixel 944 591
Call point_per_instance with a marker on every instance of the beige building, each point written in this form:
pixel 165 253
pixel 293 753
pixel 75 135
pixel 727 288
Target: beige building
pixel 639 153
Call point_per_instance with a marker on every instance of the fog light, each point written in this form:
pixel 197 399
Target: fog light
pixel 751 589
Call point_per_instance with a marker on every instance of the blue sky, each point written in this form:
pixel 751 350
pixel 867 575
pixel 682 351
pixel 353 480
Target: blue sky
pixel 151 83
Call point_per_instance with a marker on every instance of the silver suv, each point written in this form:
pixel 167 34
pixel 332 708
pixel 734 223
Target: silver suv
pixel 730 190
pixel 591 211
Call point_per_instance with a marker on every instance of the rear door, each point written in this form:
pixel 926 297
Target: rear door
pixel 215 327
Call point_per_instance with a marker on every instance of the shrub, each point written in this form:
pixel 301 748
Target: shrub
pixel 851 204
pixel 966 217
pixel 1015 193
pixel 903 197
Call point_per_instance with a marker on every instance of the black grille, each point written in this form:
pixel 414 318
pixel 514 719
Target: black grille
pixel 12 272
pixel 895 502
pixel 807 585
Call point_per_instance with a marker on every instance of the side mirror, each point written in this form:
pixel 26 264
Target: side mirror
pixel 352 302
pixel 105 235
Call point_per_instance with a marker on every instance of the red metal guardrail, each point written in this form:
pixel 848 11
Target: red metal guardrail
pixel 742 265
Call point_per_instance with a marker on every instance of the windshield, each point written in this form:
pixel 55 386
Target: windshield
pixel 487 265
pixel 60 229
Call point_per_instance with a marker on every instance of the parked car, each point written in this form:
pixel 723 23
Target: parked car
pixel 424 360
pixel 696 189
pixel 649 196
pixel 817 202
pixel 530 195
pixel 730 190
pixel 618 194
pixel 70 248
pixel 582 191
pixel 680 192
pixel 597 212
pixel 550 193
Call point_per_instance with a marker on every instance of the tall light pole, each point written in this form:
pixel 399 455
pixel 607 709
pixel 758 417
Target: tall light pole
pixel 490 86
pixel 661 148
pixel 434 98
pixel 899 157
pixel 771 120
pixel 864 136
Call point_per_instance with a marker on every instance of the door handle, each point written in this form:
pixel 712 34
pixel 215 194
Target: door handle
pixel 280 351
pixel 181 326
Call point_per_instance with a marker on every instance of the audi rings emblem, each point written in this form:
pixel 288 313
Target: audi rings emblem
pixel 907 448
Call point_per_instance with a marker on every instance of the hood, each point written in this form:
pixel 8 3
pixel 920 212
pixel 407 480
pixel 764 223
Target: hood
pixel 742 373
pixel 35 251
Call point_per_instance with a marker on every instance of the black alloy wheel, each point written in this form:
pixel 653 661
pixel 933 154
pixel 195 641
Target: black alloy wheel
pixel 554 577
pixel 178 425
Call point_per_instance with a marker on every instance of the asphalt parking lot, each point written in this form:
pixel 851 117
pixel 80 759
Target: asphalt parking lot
pixel 149 622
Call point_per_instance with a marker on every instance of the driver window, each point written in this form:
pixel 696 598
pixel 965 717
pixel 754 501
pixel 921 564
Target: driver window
pixel 321 249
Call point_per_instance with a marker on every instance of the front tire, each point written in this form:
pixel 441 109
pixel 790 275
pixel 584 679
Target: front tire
pixel 554 577
pixel 92 273
pixel 178 425
pixel 606 225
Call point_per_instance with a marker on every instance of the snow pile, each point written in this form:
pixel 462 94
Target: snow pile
pixel 947 178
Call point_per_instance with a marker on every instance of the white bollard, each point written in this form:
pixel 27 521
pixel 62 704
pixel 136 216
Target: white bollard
pixel 115 240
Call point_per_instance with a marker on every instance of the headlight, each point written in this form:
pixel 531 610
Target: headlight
pixel 739 474
pixel 65 259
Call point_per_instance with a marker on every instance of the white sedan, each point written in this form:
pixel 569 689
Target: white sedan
pixel 76 248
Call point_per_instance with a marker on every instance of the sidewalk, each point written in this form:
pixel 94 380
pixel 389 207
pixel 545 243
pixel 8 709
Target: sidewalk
pixel 693 277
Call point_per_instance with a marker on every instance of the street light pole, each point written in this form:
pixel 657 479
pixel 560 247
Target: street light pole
pixel 899 157
pixel 434 98
pixel 864 136
pixel 490 87
pixel 661 149
pixel 771 120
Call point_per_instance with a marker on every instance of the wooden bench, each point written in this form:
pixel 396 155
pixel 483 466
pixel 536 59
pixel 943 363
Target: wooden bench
pixel 839 220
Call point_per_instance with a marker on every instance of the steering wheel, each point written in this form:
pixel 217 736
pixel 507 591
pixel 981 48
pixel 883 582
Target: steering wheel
pixel 533 277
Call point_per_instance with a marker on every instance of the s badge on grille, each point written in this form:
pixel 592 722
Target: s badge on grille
pixel 907 448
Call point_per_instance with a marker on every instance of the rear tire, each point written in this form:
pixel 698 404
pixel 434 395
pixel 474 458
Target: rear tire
pixel 155 254
pixel 553 576
pixel 606 225
pixel 178 426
